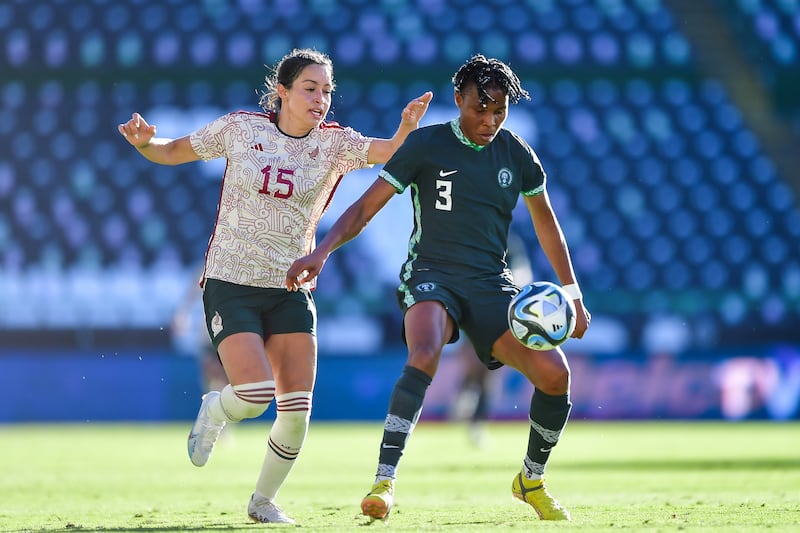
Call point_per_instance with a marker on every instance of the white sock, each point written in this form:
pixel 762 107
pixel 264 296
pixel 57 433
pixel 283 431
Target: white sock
pixel 285 441
pixel 238 402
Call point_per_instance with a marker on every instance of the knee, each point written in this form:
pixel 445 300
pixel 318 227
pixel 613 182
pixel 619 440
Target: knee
pixel 249 400
pixel 425 359
pixel 555 382
pixel 253 410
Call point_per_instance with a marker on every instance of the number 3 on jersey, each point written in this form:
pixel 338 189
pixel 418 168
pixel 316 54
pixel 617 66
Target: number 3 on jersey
pixel 445 200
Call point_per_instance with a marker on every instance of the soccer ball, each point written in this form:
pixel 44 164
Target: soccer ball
pixel 541 316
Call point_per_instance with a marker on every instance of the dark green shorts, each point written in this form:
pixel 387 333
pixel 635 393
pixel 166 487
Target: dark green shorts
pixel 232 308
pixel 479 307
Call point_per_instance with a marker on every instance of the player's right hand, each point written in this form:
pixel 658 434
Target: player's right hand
pixel 304 270
pixel 137 131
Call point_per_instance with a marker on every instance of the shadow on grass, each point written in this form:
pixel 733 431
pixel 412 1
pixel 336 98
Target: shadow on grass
pixel 654 464
pixel 686 464
pixel 72 528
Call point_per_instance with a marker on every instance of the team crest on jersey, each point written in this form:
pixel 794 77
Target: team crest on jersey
pixel 504 178
pixel 428 286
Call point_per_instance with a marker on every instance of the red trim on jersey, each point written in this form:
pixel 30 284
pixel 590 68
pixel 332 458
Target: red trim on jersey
pixel 333 191
pixel 269 115
pixel 334 125
pixel 214 229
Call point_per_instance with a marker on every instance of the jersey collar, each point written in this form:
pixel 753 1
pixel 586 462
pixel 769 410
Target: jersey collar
pixel 455 125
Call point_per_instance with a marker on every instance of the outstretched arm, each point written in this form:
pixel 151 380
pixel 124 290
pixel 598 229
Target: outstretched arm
pixel 551 238
pixel 347 227
pixel 381 150
pixel 141 136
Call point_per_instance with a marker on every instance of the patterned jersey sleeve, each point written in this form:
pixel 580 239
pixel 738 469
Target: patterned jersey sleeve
pixel 352 148
pixel 534 179
pixel 209 141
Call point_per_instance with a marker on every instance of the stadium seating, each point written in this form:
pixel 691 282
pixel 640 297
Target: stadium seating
pixel 768 33
pixel 668 199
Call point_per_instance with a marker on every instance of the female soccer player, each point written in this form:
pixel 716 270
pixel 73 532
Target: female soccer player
pixel 283 166
pixel 465 177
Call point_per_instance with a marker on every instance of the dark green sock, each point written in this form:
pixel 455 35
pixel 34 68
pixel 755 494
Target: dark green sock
pixel 405 406
pixel 548 416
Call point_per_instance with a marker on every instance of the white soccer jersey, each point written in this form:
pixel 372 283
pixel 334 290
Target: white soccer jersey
pixel 274 192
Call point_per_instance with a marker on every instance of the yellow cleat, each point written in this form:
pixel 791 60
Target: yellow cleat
pixel 378 503
pixel 534 493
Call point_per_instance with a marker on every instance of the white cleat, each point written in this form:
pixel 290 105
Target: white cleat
pixel 266 511
pixel 205 432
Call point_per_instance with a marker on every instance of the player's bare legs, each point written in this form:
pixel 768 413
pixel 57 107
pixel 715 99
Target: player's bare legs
pixel 548 371
pixel 284 369
pixel 293 359
pixel 428 327
pixel 249 393
pixel 243 357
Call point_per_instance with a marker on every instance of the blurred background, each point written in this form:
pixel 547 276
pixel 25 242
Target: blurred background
pixel 669 130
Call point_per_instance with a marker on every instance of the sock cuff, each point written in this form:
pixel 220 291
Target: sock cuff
pixel 417 375
pixel 258 392
pixel 543 397
pixel 293 401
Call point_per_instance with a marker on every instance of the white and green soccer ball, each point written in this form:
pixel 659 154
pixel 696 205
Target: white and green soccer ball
pixel 541 316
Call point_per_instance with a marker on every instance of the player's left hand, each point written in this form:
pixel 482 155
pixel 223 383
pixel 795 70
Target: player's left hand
pixel 582 319
pixel 416 109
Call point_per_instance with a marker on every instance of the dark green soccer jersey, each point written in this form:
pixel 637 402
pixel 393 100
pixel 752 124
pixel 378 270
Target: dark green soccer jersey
pixel 463 196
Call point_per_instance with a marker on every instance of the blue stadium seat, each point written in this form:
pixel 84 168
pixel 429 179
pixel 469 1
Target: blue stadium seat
pixel 661 183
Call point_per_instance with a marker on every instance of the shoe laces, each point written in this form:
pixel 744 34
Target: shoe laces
pixel 383 487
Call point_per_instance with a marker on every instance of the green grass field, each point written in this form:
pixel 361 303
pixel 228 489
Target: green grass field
pixel 611 476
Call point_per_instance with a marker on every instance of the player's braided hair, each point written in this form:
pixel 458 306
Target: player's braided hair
pixel 489 72
pixel 287 71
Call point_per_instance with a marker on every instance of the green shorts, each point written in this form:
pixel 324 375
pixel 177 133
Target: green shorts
pixel 232 308
pixel 479 307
